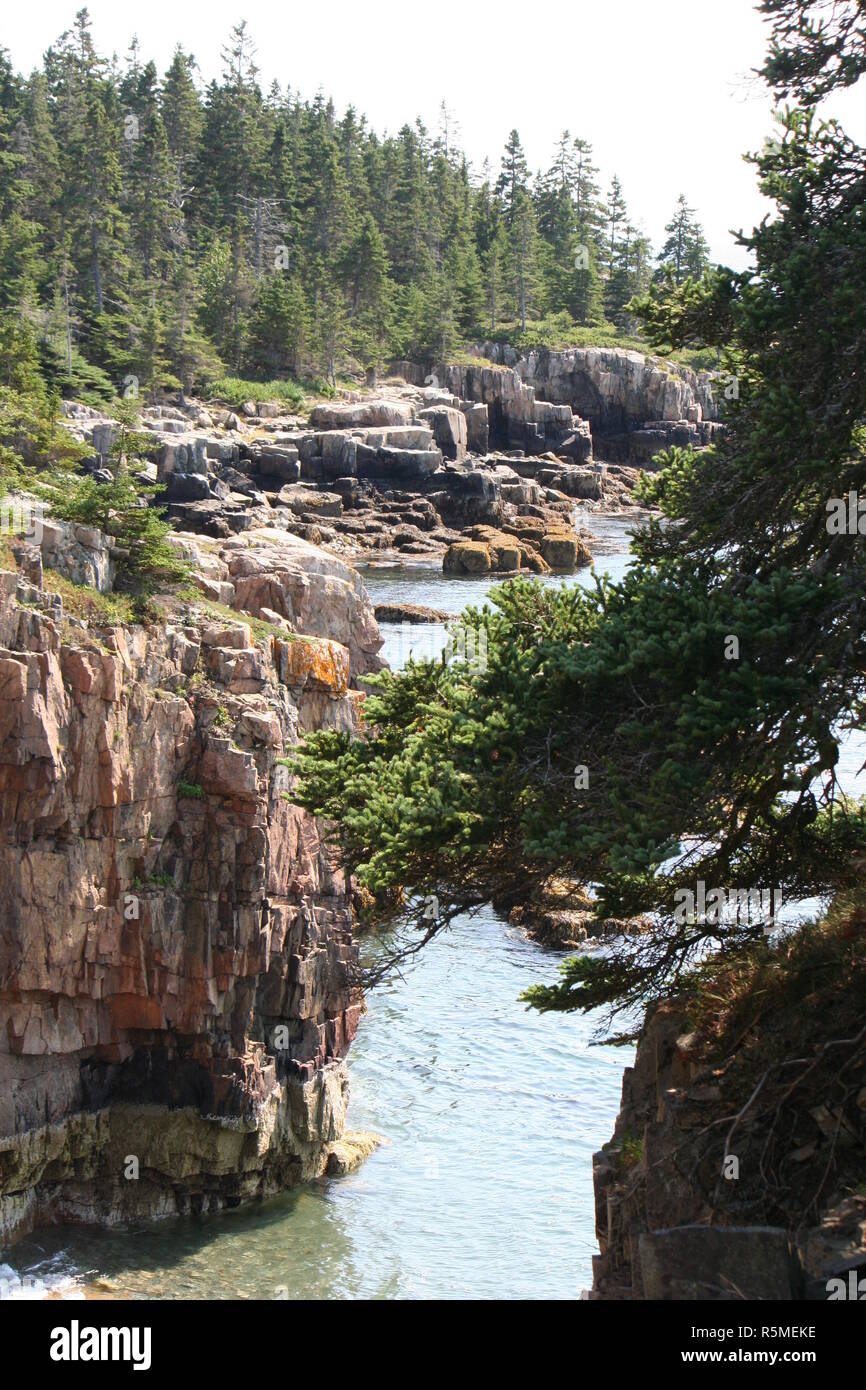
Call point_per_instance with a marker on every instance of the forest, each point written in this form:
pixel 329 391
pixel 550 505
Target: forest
pixel 158 229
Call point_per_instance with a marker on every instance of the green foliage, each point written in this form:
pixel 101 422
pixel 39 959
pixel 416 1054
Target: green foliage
pixel 160 879
pixel 81 601
pixel 558 331
pixel 685 254
pixel 191 791
pixel 258 626
pixel 234 391
pixel 691 312
pixel 40 457
pixel 181 235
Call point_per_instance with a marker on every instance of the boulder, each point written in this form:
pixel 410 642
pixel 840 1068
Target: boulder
pixel 224 450
pixel 563 550
pixel 585 483
pixel 467 557
pixel 410 613
pixel 401 465
pixel 449 430
pixel 339 455
pixel 505 550
pixel 477 427
pixel 360 414
pixel 186 487
pixel 102 436
pixel 532 560
pixel 319 594
pixel 468 498
pixel 399 437
pixel 81 553
pixel 278 461
pixel 303 500
pixel 183 454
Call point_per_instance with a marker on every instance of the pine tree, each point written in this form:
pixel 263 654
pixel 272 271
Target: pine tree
pixel 513 178
pixel 279 327
pixel 523 258
pixel 21 266
pixel 143 222
pixel 368 291
pixel 685 252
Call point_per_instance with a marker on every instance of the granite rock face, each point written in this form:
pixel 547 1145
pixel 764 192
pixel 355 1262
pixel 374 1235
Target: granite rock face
pixel 518 418
pixel 351 415
pixel 408 472
pixel 177 987
pixel 629 405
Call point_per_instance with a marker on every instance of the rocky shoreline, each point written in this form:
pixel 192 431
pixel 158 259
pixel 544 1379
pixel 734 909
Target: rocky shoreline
pixel 177 964
pixel 415 470
pixel 561 914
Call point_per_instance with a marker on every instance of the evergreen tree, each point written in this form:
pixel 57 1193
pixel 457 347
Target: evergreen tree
pixel 279 327
pixel 523 258
pixel 513 178
pixel 143 223
pixel 685 252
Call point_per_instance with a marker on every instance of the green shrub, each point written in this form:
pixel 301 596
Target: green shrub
pixel 190 790
pixel 233 391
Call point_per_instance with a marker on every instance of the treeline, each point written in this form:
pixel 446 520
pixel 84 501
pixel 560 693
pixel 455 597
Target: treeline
pixel 154 230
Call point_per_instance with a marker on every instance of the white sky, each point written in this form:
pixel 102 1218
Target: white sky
pixel 662 88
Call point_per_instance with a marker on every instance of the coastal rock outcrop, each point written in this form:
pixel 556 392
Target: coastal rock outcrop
pixel 177 970
pixel 733 1175
pixel 518 417
pixel 627 405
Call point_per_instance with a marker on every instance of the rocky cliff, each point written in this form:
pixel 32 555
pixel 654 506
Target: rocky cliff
pixel 735 1168
pixel 176 960
pixel 627 405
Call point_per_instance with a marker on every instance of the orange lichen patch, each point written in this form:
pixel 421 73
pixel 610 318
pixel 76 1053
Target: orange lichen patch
pixel 313 661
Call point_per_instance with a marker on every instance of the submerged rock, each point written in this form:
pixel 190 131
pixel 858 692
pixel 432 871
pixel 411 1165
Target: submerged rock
pixel 410 613
pixel 348 1153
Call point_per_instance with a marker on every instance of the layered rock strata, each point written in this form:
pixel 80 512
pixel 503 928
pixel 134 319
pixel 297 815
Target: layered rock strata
pixel 177 988
pixel 630 404
pixel 397 474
